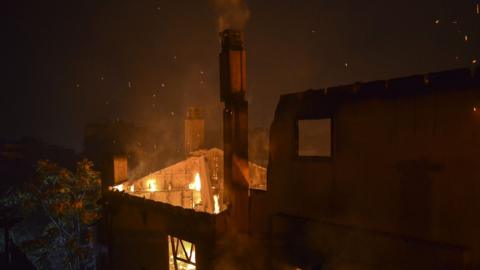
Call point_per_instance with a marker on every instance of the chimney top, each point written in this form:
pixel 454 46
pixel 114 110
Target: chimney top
pixel 232 39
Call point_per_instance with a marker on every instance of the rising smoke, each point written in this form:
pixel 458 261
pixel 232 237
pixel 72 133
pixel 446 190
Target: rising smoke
pixel 232 14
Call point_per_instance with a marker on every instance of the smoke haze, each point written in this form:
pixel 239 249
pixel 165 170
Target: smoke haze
pixel 232 14
pixel 71 63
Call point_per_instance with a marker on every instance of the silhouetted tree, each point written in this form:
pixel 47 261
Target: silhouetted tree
pixel 64 205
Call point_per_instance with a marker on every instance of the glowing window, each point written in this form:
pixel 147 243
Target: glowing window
pixel 314 138
pixel 181 254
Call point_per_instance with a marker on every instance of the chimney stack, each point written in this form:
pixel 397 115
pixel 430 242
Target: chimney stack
pixel 235 127
pixel 233 68
pixel 120 169
pixel 194 130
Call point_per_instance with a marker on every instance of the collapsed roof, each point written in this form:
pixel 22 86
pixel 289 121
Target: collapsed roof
pixel 194 183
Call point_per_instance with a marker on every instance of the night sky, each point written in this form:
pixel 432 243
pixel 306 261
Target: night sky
pixel 69 63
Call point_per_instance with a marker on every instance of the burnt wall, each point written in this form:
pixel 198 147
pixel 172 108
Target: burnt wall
pixel 317 244
pixel 258 213
pixel 404 160
pixel 134 232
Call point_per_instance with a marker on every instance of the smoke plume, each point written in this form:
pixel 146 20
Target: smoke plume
pixel 232 14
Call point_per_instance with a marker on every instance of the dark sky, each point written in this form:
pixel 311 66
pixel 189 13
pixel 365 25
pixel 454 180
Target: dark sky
pixel 69 63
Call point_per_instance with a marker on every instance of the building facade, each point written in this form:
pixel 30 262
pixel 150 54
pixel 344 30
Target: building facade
pixel 379 175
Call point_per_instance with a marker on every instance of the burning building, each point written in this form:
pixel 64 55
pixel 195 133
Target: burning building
pixel 187 207
pixel 378 175
pixel 194 183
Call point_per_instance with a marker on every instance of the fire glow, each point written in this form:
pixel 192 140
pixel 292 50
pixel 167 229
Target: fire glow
pixel 152 185
pixel 118 187
pixel 216 207
pixel 196 184
pixel 196 187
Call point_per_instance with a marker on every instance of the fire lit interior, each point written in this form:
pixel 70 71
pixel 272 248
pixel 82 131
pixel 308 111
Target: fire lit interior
pixel 181 254
pixel 195 183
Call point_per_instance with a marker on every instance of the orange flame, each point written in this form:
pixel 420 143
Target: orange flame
pixel 196 184
pixel 216 206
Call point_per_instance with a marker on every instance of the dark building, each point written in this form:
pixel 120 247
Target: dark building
pixel 18 160
pixel 379 175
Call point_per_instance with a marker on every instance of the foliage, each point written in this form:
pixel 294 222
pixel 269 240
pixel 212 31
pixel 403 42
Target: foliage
pixel 67 201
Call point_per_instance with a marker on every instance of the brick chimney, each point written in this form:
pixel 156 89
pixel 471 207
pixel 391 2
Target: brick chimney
pixel 235 124
pixel 194 130
pixel 120 169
